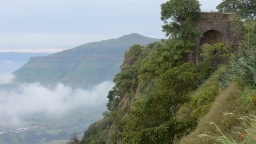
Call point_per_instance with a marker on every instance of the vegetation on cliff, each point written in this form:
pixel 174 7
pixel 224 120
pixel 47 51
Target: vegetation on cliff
pixel 152 86
pixel 159 97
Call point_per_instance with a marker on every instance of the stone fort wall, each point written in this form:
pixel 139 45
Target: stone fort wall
pixel 215 27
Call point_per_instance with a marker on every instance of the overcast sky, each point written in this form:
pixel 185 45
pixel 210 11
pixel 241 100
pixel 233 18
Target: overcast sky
pixel 54 25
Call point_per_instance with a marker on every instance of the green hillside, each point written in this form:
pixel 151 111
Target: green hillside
pixel 82 66
pixel 160 97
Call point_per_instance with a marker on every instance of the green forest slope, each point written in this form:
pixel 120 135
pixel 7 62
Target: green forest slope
pixel 82 66
pixel 155 102
pixel 160 97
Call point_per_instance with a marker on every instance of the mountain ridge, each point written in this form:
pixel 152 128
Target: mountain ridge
pixel 83 66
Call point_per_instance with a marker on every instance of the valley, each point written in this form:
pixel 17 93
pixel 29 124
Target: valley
pixel 53 95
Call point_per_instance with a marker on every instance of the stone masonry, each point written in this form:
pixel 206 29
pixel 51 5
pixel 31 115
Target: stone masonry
pixel 216 27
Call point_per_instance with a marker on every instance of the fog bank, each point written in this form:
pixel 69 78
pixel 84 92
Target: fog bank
pixel 6 79
pixel 33 98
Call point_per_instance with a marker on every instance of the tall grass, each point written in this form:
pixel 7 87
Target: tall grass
pixel 246 133
pixel 229 100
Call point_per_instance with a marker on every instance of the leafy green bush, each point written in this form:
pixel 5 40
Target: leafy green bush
pixel 203 101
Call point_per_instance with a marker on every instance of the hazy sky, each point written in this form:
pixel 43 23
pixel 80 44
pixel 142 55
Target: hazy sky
pixel 53 25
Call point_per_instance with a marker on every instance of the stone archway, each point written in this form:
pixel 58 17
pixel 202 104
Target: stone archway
pixel 216 27
pixel 212 37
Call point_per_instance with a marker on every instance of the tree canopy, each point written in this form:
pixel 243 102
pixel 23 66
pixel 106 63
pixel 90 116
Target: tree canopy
pixel 179 17
pixel 168 79
pixel 245 8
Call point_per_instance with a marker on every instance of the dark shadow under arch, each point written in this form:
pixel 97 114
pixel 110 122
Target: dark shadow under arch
pixel 212 37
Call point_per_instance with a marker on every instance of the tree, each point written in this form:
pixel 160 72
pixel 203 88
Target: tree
pixel 167 79
pixel 179 17
pixel 245 8
pixel 74 138
pixel 169 55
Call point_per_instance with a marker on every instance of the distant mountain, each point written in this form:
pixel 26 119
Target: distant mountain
pixel 82 66
pixel 11 61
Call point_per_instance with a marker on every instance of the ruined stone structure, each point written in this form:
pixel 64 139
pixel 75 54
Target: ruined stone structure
pixel 216 27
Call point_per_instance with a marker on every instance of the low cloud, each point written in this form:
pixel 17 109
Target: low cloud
pixel 7 79
pixel 33 98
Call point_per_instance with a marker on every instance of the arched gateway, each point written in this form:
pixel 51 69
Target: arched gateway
pixel 216 27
